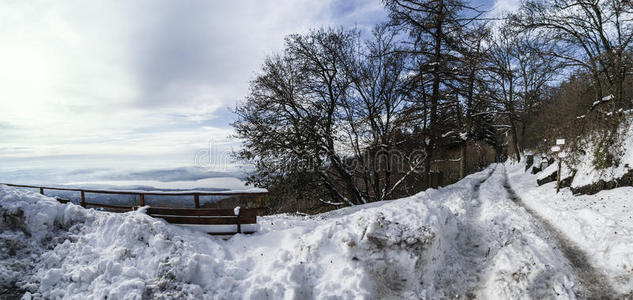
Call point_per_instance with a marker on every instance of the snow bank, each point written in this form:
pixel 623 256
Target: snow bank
pixel 600 224
pixel 462 240
pixel 547 172
pixel 66 251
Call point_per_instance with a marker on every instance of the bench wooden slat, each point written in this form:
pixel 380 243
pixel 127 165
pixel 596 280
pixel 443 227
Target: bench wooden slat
pixel 206 220
pixel 200 211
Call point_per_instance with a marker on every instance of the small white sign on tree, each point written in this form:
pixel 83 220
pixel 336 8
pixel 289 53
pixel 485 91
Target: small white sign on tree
pixel 560 141
pixel 561 154
pixel 555 148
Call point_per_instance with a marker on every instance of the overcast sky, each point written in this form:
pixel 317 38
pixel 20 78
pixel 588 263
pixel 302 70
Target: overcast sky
pixel 96 83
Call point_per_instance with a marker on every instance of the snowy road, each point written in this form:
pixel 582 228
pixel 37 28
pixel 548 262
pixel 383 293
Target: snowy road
pixel 594 231
pixel 515 257
pixel 473 239
pixel 593 284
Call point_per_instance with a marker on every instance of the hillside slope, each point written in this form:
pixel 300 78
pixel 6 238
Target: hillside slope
pixel 589 167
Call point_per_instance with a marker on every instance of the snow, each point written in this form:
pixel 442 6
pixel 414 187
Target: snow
pixel 604 99
pixel 467 240
pixel 600 224
pixel 222 228
pixel 537 160
pixel 521 250
pixel 447 133
pixel 553 168
pixel 547 172
pixel 463 136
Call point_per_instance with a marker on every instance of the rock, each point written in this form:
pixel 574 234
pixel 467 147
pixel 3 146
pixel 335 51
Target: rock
pixel 590 189
pixel 564 182
pixel 547 179
pixel 529 161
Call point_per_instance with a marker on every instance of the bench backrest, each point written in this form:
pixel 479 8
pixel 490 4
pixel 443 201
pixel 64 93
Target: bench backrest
pixel 196 217
pixel 219 221
pixel 205 216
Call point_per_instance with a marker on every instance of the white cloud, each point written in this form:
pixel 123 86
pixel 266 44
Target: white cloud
pixel 502 7
pixel 145 78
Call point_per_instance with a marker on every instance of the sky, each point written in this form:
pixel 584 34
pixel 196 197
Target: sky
pixel 142 83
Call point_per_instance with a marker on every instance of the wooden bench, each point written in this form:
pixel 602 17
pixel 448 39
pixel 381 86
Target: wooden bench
pixel 217 221
pixel 211 220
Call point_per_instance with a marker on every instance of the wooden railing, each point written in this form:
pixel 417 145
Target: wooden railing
pixel 141 196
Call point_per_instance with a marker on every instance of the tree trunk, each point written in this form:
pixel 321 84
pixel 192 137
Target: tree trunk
pixel 387 170
pixel 515 142
pixel 435 93
pixel 462 163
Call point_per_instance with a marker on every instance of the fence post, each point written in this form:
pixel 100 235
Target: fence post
pixel 141 200
pixel 42 190
pixel 196 200
pixel 83 199
pixel 558 176
pixel 239 225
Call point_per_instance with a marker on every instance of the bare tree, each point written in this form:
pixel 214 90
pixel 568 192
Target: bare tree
pixel 330 106
pixel 473 88
pixel 374 109
pixel 597 33
pixel 520 70
pixel 536 69
pixel 291 115
pixel 504 77
pixel 435 30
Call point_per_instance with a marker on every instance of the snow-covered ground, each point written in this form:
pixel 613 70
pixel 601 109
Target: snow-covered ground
pixel 600 224
pixel 462 241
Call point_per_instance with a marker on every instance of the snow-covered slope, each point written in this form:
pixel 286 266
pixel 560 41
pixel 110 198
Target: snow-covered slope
pixel 588 174
pixel 464 240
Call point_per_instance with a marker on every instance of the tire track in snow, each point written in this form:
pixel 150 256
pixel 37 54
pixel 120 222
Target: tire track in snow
pixel 468 246
pixel 594 285
pixel 478 185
